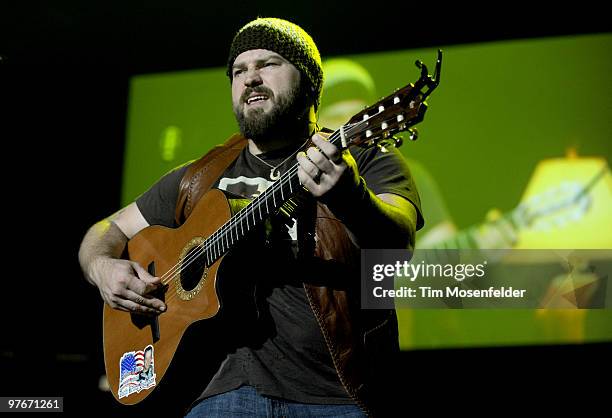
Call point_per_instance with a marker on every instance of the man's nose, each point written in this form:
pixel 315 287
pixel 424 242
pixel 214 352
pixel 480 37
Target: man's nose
pixel 252 78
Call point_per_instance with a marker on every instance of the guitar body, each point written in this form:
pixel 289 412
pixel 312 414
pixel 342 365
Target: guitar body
pixel 188 300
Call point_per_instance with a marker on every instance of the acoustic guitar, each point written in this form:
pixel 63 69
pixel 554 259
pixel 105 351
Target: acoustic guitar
pixel 139 350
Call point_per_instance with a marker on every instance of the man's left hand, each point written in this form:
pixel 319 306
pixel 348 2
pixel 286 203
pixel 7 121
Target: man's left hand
pixel 324 168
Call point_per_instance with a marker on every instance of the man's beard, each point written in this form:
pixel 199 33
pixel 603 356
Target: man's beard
pixel 286 118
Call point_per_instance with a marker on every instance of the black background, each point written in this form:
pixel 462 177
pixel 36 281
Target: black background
pixel 65 68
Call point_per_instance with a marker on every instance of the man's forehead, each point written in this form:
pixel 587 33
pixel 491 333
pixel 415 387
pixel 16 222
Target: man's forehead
pixel 256 55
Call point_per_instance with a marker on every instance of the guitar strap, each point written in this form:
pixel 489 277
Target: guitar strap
pixel 202 174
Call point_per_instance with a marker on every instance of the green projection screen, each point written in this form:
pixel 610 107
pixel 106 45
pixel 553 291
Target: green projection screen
pixel 501 111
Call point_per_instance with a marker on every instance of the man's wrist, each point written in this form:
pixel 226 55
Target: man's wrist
pixel 93 268
pixel 349 204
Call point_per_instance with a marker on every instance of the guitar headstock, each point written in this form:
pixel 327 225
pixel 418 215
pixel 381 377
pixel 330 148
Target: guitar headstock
pixel 395 113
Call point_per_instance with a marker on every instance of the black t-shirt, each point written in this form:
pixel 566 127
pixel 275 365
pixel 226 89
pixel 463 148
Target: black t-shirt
pixel 289 358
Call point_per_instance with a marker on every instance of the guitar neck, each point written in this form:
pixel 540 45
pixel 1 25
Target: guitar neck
pixel 252 215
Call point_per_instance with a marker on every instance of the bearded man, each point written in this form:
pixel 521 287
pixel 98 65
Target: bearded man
pixel 308 349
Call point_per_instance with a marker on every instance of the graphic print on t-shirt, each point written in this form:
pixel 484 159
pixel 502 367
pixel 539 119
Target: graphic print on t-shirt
pixel 251 187
pixel 244 186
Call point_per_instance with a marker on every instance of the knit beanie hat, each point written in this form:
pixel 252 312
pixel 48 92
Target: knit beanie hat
pixel 284 38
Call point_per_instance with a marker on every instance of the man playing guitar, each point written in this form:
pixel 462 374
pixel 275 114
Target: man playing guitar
pixel 310 348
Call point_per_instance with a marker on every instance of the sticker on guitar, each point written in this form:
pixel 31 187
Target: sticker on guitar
pixel 136 371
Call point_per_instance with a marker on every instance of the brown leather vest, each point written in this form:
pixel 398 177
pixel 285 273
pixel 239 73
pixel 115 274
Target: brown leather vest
pixel 355 338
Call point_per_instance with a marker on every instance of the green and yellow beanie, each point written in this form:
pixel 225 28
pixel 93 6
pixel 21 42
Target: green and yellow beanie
pixel 284 38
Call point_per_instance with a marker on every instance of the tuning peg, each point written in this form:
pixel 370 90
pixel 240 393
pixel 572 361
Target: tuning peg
pixel 398 141
pixel 414 134
pixel 382 148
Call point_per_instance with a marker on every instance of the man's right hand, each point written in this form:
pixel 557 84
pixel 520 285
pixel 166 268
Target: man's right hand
pixel 126 286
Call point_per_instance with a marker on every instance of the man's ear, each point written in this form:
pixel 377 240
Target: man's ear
pixel 309 91
pixel 312 98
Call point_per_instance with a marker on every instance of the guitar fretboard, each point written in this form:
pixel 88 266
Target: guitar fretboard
pixel 252 215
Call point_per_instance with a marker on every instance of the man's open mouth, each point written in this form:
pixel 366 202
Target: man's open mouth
pixel 256 98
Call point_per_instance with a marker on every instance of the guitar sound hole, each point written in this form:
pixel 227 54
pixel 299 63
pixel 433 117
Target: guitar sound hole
pixel 192 269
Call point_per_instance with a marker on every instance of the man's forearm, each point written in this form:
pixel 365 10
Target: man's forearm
pixel 102 240
pixel 373 222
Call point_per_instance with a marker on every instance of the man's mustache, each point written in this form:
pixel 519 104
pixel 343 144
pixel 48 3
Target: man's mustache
pixel 259 89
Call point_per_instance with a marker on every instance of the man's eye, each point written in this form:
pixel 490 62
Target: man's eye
pixel 238 72
pixel 269 64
